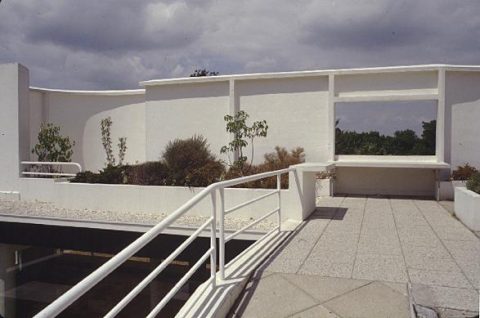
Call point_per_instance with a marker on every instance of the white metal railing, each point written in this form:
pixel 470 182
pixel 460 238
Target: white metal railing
pixel 95 277
pixel 51 164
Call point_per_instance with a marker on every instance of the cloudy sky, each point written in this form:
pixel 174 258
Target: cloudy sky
pixel 114 44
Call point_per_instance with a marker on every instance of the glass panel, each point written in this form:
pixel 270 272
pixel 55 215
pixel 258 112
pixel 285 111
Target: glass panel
pixel 386 128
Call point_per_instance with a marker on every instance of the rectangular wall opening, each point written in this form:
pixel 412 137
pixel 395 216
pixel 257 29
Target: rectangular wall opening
pixel 399 128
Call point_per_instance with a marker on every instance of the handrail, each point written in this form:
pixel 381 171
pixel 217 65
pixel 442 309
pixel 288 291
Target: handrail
pixel 108 267
pixel 51 163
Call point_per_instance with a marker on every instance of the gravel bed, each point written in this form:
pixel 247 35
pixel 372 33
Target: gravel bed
pixel 45 209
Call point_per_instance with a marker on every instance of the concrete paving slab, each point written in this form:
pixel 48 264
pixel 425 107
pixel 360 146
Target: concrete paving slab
pixel 325 267
pixel 445 297
pixel 318 311
pixel 439 278
pixel 283 265
pixel 399 287
pixel 414 252
pixel 448 233
pixel 274 297
pixel 388 241
pixel 319 253
pixel 380 267
pixel 324 288
pixel 432 264
pixel 372 300
pixel 375 245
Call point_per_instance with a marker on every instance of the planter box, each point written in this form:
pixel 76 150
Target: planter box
pixel 447 189
pixel 467 207
pixel 324 187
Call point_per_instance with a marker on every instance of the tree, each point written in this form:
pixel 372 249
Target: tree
pixel 203 72
pixel 242 134
pixel 52 146
pixel 105 125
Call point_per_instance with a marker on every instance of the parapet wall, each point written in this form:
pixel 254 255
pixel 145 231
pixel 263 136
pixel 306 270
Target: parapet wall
pixel 298 106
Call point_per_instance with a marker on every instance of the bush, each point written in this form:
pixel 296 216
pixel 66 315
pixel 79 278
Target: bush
pixel 280 159
pixel 473 184
pixel 190 162
pixel 148 173
pixel 109 175
pixel 86 177
pixel 463 172
pixel 52 146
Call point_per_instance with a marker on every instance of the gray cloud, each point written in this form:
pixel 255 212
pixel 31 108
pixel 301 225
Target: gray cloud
pixel 117 43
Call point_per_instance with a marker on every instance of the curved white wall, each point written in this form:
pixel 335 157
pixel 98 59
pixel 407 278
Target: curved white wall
pixel 79 117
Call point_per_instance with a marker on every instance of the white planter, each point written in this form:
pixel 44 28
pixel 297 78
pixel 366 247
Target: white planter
pixel 447 188
pixel 324 187
pixel 467 207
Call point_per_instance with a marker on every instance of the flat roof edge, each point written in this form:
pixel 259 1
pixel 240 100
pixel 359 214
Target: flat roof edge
pixel 309 73
pixel 140 91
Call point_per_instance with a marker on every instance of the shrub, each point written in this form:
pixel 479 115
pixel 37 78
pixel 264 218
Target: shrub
pixel 86 177
pixel 190 162
pixel 52 146
pixel 473 183
pixel 463 172
pixel 280 159
pixel 109 175
pixel 148 173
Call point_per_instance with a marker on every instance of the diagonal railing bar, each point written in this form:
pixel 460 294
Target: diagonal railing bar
pixel 246 227
pixel 65 300
pixel 147 280
pixel 237 207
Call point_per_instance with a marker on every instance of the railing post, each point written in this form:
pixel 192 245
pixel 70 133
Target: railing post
pixel 222 233
pixel 213 239
pixel 279 189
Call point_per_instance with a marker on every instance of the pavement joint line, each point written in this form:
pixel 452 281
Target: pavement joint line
pixel 400 242
pixel 323 302
pixel 359 236
pixel 443 244
pixel 369 282
pixel 294 285
pixel 320 236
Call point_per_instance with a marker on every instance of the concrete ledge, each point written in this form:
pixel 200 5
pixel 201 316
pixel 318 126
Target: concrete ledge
pixel 217 302
pixel 467 208
pixel 447 189
pixel 10 195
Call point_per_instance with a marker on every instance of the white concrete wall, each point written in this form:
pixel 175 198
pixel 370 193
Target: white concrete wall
pixel 181 111
pixel 160 199
pixel 413 82
pixel 297 107
pixel 463 118
pixel 467 207
pixel 79 117
pixel 384 181
pixel 295 110
pixel 14 123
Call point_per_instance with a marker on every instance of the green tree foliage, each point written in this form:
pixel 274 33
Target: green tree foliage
pixel 52 146
pixel 473 184
pixel 242 135
pixel 203 72
pixel 403 142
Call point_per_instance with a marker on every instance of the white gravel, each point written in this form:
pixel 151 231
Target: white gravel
pixel 45 209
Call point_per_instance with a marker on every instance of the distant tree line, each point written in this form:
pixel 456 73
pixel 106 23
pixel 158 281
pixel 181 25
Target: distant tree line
pixel 403 142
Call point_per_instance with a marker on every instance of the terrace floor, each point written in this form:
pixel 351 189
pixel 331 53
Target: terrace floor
pixel 357 257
